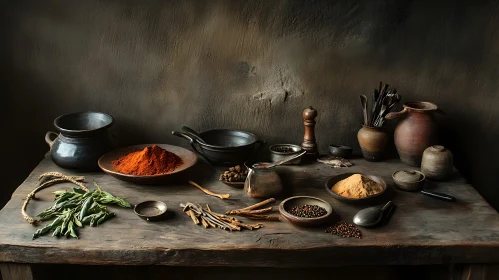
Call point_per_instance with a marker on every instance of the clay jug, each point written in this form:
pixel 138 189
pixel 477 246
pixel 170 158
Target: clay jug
pixel 372 141
pixel 416 131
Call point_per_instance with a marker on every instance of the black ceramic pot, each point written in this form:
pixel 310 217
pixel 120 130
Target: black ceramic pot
pixel 83 139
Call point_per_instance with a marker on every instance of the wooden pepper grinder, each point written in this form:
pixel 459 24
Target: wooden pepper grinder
pixel 309 144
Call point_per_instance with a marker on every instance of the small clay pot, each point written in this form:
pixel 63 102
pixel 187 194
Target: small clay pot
pixel 437 163
pixel 372 141
pixel 408 180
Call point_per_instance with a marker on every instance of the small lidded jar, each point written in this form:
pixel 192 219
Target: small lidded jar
pixel 262 182
pixel 437 163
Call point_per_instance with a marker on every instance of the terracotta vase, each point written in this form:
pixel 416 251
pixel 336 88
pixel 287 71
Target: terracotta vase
pixel 372 141
pixel 416 131
pixel 437 163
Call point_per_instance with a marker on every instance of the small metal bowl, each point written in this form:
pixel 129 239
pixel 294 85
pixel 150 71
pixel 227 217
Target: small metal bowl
pixel 150 210
pixel 340 151
pixel 408 180
pixel 276 155
pixel 289 203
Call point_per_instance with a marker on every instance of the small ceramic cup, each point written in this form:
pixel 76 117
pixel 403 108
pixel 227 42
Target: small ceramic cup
pixel 340 151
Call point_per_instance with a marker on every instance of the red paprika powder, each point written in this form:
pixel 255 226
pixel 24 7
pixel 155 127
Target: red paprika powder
pixel 151 160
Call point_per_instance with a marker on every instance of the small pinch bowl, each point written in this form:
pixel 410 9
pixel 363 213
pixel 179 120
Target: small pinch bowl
pixel 287 204
pixel 151 210
pixel 340 151
pixel 366 200
pixel 411 186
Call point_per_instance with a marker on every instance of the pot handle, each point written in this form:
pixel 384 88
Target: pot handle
pixel 192 142
pixel 394 115
pixel 48 140
pixel 260 144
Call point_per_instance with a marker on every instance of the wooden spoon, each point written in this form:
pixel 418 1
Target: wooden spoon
pixel 221 196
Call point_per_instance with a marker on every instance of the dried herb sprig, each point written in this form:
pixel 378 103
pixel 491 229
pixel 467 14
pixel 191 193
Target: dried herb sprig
pixel 77 208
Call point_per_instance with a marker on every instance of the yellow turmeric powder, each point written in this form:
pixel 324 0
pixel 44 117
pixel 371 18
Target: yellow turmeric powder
pixel 357 186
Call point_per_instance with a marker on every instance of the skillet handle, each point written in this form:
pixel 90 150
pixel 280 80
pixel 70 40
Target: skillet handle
pixel 255 153
pixel 193 143
pixel 260 144
pixel 183 135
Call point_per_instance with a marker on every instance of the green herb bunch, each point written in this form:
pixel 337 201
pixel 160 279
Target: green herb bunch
pixel 77 208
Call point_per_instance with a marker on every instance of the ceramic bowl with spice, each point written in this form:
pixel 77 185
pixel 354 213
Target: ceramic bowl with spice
pixel 140 164
pixel 280 151
pixel 340 151
pixel 234 176
pixel 356 188
pixel 306 211
pixel 408 180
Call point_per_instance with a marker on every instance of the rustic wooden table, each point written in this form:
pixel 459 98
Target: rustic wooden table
pixel 422 230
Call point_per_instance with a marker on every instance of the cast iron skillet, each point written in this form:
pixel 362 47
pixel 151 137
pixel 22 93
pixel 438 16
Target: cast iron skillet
pixel 223 146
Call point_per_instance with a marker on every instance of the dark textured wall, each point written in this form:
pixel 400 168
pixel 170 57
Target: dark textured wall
pixel 253 65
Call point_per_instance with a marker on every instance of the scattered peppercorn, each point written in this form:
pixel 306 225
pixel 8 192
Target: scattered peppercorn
pixel 283 149
pixel 343 229
pixel 307 211
pixel 234 174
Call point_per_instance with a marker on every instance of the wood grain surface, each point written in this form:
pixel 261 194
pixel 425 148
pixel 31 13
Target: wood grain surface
pixel 422 230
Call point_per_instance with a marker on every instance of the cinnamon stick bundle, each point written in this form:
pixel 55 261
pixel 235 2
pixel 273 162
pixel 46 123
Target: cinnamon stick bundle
pixel 208 218
pixel 251 212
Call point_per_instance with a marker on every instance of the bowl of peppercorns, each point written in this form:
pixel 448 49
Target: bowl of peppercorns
pixel 234 176
pixel 306 211
pixel 281 151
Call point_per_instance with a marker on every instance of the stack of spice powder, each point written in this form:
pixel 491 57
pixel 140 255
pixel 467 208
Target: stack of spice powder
pixel 357 186
pixel 152 160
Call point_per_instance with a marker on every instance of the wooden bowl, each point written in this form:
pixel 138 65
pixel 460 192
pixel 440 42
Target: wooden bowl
pixel 287 204
pixel 333 180
pixel 105 163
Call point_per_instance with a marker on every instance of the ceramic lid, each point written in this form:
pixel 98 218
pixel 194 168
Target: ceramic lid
pixel 408 176
pixel 437 148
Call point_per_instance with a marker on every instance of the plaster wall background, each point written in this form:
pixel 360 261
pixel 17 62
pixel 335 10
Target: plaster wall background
pixel 251 65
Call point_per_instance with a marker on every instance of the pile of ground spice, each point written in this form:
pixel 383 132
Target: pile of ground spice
pixel 152 160
pixel 357 186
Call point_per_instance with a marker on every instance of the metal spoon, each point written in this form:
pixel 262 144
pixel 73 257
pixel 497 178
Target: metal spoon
pixel 274 164
pixel 371 216
pixel 191 132
pixel 387 101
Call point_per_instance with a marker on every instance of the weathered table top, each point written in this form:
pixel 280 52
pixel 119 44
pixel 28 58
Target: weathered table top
pixel 422 230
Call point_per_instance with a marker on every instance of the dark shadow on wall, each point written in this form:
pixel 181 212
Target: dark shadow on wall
pixel 22 147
